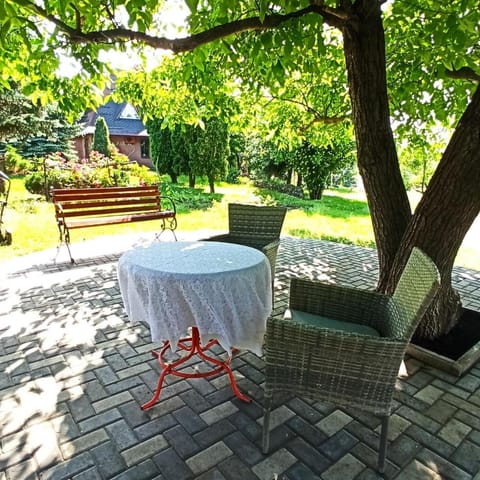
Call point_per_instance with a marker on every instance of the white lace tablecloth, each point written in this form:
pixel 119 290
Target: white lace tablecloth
pixel 223 289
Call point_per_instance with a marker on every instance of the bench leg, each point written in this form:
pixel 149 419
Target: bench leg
pixel 172 225
pixel 64 239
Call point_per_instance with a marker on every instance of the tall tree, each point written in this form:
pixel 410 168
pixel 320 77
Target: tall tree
pixel 101 137
pixel 161 149
pixel 19 117
pixel 433 53
pixel 210 150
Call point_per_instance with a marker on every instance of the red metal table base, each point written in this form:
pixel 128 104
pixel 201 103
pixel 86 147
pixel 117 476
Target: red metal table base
pixel 192 346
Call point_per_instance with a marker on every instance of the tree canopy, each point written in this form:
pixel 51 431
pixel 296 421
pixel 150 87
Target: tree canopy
pixel 407 65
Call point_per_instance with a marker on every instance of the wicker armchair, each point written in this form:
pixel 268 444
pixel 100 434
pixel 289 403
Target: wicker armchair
pixel 344 345
pixel 255 226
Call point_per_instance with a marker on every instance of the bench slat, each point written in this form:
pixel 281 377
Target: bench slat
pixel 73 197
pixel 105 212
pixel 101 190
pixel 91 222
pixel 90 204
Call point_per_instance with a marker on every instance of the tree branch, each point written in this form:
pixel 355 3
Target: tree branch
pixel 75 34
pixel 317 116
pixel 464 73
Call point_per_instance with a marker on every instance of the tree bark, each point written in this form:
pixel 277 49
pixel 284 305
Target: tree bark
pixel 444 215
pixel 364 49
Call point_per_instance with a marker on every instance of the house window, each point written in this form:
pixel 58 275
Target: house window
pixel 129 113
pixel 145 148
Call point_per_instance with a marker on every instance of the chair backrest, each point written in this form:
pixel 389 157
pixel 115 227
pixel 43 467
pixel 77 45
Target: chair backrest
pixel 414 292
pixel 255 220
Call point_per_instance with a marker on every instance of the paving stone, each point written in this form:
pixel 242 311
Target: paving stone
pixel 402 450
pixel 189 420
pixel 347 468
pixel 442 466
pixel 417 418
pixel 106 375
pixel 308 432
pixel 143 450
pixel 278 416
pixel 454 432
pixel 280 436
pixel 65 470
pixel 95 390
pixel 249 427
pixel 429 394
pixel 308 455
pixel 99 420
pixel 469 382
pixel 213 433
pixel 234 469
pixel 83 443
pixel 304 410
pixel 300 472
pixel 112 401
pixel 42 442
pixel 218 413
pixel 81 408
pixel 133 414
pixel 172 466
pixel 423 437
pixel 334 422
pixel 108 461
pixel 274 465
pixel 123 385
pixel 213 474
pixel 441 411
pixel 90 474
pixel 417 471
pixel 155 426
pixel 364 434
pixel 208 458
pixel 243 448
pixel 338 445
pixel 146 470
pixel 122 435
pixel 467 457
pixel 183 443
pixel 26 470
pixel 195 401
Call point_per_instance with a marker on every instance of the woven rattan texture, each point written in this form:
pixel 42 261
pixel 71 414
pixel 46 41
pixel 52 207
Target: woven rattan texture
pixel 344 368
pixel 255 226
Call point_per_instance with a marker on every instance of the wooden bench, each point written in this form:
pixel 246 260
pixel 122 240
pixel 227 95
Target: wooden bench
pixel 91 207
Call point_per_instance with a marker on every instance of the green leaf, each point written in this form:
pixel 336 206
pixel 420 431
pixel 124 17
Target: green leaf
pixel 192 5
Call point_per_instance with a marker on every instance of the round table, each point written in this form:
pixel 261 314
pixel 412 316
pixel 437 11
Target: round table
pixel 221 292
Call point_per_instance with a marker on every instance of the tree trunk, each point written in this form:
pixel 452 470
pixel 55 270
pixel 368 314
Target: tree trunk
pixel 191 180
pixel 211 184
pixel 447 210
pixel 364 49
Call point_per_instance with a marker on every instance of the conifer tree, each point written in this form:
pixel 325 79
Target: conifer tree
pixel 101 137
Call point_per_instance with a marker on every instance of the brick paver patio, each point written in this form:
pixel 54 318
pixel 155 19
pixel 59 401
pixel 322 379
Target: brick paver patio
pixel 74 373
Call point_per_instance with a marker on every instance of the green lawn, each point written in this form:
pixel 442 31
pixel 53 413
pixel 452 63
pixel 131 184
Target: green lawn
pixel 341 215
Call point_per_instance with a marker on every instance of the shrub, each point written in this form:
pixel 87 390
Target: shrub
pixel 280 186
pixel 35 183
pixel 15 163
pixel 98 171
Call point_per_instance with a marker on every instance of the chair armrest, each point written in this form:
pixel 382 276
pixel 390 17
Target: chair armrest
pixel 310 357
pixel 342 303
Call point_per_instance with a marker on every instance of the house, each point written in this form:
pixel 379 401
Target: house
pixel 127 131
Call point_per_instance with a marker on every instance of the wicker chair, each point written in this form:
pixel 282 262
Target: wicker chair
pixel 344 345
pixel 255 226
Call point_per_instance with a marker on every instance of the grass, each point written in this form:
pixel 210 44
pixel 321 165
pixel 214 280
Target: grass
pixel 342 216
